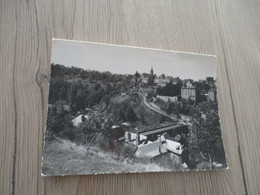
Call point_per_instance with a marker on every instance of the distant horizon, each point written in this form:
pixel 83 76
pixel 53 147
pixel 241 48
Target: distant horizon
pixel 131 74
pixel 105 57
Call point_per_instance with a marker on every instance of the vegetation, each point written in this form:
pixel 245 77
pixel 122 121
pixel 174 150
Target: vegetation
pixel 170 89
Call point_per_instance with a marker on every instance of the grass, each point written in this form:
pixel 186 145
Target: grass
pixel 63 157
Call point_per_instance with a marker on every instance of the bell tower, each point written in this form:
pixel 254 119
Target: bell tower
pixel 151 71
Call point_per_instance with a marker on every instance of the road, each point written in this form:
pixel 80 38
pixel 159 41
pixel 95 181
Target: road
pixel 148 105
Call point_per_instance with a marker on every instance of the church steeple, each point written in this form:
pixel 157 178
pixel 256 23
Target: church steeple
pixel 151 71
pixel 151 77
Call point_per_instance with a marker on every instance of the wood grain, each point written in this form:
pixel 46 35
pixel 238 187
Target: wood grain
pixel 229 29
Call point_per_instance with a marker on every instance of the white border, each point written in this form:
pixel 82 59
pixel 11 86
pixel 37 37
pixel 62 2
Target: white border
pixel 134 47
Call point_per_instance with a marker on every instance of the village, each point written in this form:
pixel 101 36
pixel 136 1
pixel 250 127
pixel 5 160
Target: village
pixel 170 135
pixel 139 121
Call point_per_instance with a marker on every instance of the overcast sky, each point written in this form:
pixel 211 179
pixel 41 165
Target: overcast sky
pixel 128 60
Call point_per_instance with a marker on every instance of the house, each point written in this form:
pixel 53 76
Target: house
pixel 150 149
pixel 136 79
pixel 161 81
pixel 168 98
pixel 201 81
pixel 175 80
pixel 145 77
pixel 188 91
pixel 79 119
pixel 212 94
pixel 157 141
pixel 147 148
pixel 171 144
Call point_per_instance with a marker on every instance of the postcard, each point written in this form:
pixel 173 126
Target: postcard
pixel 121 109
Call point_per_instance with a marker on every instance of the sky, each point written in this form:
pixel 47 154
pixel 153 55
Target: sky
pixel 128 60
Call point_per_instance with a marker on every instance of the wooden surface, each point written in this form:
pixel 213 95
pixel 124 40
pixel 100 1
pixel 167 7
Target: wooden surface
pixel 228 28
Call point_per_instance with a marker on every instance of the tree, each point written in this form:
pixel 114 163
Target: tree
pixel 163 76
pixel 106 99
pixel 137 74
pixel 83 76
pixel 119 110
pixel 142 118
pixel 207 131
pixel 130 114
pixel 169 109
pixel 62 93
pixel 169 90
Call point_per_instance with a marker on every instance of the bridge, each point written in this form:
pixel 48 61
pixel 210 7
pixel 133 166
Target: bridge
pixel 160 130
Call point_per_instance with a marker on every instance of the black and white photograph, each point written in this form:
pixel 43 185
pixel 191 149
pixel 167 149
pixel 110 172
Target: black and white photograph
pixel 122 109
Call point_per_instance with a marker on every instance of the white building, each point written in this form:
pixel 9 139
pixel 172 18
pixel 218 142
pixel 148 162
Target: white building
pixel 171 145
pixel 188 91
pixel 79 119
pixel 168 98
pixel 146 148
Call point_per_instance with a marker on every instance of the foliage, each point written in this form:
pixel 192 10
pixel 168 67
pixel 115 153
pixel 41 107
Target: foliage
pixel 170 89
pixel 81 89
pixel 130 114
pixel 208 133
pixel 201 89
pixel 151 80
pixel 58 122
